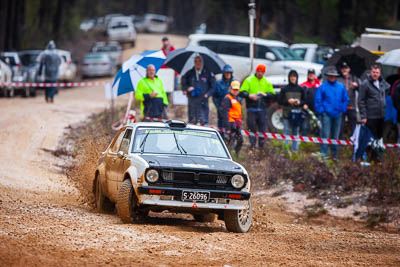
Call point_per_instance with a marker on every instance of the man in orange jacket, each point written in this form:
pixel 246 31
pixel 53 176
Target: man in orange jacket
pixel 232 117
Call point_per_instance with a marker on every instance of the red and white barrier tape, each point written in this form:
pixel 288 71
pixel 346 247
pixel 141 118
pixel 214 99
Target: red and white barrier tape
pixel 69 84
pixel 278 136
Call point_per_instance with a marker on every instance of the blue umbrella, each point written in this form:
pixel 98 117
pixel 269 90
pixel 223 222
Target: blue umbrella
pixel 134 69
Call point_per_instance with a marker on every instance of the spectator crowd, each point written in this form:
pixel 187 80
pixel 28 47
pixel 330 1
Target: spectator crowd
pixel 342 106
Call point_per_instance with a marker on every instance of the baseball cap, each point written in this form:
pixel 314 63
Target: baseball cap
pixel 165 38
pixel 311 71
pixel 261 67
pixel 235 85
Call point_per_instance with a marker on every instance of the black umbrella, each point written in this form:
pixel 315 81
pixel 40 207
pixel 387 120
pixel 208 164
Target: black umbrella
pixel 358 58
pixel 182 60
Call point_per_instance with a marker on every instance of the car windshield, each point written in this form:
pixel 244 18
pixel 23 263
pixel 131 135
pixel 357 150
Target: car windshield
pixel 179 142
pixel 284 53
pixel 29 59
pixel 301 52
pixel 119 26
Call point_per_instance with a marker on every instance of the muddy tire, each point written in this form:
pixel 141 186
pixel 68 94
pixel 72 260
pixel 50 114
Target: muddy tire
pixel 238 221
pixel 103 204
pixel 210 217
pixel 127 204
pixel 274 118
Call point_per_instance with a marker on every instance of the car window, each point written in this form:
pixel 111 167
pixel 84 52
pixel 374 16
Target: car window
pixel 261 50
pixel 301 52
pixel 29 59
pixel 227 47
pixel 180 142
pixel 116 145
pixel 284 53
pixel 9 60
pixel 126 140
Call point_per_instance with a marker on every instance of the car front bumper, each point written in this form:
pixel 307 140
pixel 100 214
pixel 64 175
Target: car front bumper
pixel 171 197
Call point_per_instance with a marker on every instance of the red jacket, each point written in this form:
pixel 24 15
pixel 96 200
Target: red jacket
pixel 307 84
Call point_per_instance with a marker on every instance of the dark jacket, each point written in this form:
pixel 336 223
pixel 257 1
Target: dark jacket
pixel 351 90
pixel 203 83
pixel 372 102
pixel 221 90
pixel 292 90
pixel 396 98
pixel 331 98
pixel 310 89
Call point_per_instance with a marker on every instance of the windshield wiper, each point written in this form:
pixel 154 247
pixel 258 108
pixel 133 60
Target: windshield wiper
pixel 180 147
pixel 143 142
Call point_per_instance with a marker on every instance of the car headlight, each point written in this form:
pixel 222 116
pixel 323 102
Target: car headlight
pixel 152 176
pixel 237 181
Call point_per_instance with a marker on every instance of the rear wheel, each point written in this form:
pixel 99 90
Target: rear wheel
pixel 238 221
pixel 274 118
pixel 33 91
pixel 27 92
pixel 103 204
pixel 127 204
pixel 10 92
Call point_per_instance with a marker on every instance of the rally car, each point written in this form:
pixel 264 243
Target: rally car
pixel 156 166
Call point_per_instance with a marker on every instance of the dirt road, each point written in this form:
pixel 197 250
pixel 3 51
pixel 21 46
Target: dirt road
pixel 43 221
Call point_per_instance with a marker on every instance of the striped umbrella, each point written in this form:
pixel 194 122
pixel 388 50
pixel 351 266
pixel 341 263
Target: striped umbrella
pixel 134 69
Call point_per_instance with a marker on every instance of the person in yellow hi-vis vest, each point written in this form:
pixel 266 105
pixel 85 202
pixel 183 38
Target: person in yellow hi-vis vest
pixel 151 94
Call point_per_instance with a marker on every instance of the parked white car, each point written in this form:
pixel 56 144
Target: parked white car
pixel 113 48
pixel 313 52
pixel 67 69
pixel 18 74
pixel 5 77
pixel 122 30
pixel 276 55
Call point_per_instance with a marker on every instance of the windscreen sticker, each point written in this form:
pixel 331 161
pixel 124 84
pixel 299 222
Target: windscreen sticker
pixel 193 133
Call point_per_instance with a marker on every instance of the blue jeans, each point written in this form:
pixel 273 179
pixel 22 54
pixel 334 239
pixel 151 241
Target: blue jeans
pixel 330 129
pixel 288 129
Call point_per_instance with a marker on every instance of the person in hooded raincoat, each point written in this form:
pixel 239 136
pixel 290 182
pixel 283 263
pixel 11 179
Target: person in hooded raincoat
pixel 49 66
pixel 293 99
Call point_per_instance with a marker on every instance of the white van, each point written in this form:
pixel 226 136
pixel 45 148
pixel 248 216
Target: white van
pixel 276 55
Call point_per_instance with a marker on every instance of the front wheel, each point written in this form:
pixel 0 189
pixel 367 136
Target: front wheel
pixel 127 204
pixel 238 221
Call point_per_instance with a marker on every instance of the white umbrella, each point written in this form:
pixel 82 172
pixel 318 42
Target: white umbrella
pixel 391 58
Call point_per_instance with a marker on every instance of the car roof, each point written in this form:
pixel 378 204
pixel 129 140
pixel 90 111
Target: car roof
pixel 165 125
pixel 238 38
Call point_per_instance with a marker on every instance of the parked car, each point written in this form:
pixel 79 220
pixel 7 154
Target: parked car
pixel 154 166
pixel 87 25
pixel 18 75
pixel 114 49
pixel 275 55
pixel 5 77
pixel 98 64
pixel 313 52
pixel 67 69
pixel 30 65
pixel 122 30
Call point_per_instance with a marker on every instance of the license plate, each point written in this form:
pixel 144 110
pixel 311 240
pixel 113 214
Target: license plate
pixel 195 196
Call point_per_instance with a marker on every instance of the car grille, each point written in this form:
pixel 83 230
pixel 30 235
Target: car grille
pixel 184 178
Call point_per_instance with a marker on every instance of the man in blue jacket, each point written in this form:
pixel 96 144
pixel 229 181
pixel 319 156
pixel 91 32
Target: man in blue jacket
pixel 198 84
pixel 221 90
pixel 331 102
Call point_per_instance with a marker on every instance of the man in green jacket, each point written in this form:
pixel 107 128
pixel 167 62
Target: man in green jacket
pixel 256 90
pixel 151 94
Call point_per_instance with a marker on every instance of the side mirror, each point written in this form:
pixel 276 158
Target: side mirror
pixel 120 154
pixel 270 56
